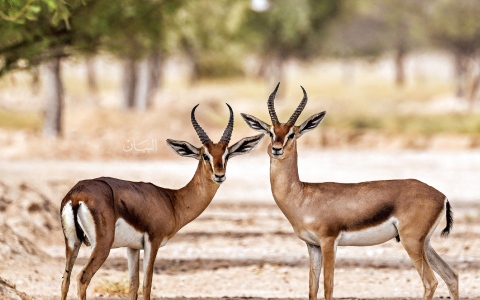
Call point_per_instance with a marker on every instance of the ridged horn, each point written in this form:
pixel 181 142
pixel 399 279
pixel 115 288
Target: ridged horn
pixel 271 108
pixel 200 132
pixel 299 109
pixel 227 134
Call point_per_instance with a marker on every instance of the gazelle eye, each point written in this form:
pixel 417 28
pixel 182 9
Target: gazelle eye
pixel 205 157
pixel 291 136
pixel 270 134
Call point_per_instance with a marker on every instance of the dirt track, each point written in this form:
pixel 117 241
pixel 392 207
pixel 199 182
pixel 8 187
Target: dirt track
pixel 241 247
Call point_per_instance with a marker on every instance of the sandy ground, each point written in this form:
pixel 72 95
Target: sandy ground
pixel 241 247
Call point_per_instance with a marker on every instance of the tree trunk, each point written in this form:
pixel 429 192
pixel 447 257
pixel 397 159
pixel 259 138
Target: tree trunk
pixel 156 61
pixel 148 76
pixel 129 83
pixel 400 66
pixel 35 83
pixel 460 75
pixel 474 91
pixel 272 70
pixel 52 84
pixel 142 85
pixel 91 76
pixel 92 84
pixel 192 56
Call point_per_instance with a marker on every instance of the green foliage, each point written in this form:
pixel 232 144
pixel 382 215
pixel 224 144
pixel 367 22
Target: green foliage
pixel 35 33
pixel 369 28
pixel 455 24
pixel 291 28
pixel 207 32
pixel 19 11
pixel 30 30
pixel 218 65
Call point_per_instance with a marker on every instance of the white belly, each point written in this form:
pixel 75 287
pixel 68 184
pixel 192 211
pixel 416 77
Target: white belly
pixel 370 236
pixel 366 237
pixel 127 236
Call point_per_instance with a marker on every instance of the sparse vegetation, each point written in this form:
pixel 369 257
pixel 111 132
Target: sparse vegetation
pixel 113 288
pixel 409 123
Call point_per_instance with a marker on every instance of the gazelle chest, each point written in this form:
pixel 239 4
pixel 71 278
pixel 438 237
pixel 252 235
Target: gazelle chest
pixel 305 231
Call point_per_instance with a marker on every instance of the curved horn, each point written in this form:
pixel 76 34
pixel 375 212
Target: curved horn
pixel 200 132
pixel 299 109
pixel 227 134
pixel 271 108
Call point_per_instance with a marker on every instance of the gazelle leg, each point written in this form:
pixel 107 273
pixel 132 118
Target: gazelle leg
pixel 71 255
pixel 149 255
pixel 315 254
pixel 133 256
pixel 444 270
pixel 328 248
pixel 416 251
pixel 101 239
pixel 96 260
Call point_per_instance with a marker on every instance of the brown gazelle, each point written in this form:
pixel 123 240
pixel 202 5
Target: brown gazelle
pixel 327 215
pixel 107 213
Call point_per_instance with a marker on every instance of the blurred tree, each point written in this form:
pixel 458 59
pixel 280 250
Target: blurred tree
pixel 45 30
pixel 207 33
pixel 92 82
pixel 455 26
pixel 52 125
pixel 288 29
pixel 370 28
pixel 18 11
pixel 34 32
pixel 133 30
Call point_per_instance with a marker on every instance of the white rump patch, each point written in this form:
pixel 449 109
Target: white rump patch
pixel 68 225
pixel 127 236
pixel 370 236
pixel 85 220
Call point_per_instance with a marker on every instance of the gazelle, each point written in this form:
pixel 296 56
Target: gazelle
pixel 107 213
pixel 327 215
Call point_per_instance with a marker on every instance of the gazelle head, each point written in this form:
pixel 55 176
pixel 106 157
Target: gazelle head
pixel 283 135
pixel 214 156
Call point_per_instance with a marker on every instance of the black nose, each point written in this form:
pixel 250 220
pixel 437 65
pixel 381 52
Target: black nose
pixel 277 150
pixel 220 178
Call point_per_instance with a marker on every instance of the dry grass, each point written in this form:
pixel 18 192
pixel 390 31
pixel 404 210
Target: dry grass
pixel 471 217
pixel 114 288
pixel 20 120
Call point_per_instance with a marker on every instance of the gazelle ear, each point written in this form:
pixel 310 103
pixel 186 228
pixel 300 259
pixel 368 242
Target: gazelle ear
pixel 311 123
pixel 184 148
pixel 245 145
pixel 255 123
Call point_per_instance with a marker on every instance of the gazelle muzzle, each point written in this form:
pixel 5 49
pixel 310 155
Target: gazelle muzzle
pixel 277 151
pixel 219 178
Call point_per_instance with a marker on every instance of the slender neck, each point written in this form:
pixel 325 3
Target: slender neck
pixel 284 179
pixel 191 200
